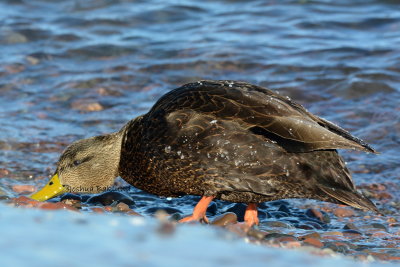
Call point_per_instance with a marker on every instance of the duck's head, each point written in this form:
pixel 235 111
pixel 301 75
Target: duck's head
pixel 86 166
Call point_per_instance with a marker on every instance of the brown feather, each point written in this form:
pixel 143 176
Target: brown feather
pixel 351 198
pixel 237 142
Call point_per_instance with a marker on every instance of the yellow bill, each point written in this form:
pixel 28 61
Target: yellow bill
pixel 52 189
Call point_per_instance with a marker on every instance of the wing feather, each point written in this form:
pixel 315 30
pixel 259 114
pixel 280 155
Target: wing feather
pixel 260 111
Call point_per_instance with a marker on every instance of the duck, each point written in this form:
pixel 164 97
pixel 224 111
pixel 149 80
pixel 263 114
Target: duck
pixel 223 139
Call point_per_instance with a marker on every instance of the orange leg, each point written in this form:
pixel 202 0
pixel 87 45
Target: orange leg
pixel 199 212
pixel 251 215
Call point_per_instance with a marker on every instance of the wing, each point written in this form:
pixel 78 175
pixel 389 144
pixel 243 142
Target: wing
pixel 260 111
pixel 224 159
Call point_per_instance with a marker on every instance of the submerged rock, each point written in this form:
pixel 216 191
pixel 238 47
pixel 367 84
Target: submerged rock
pixel 107 198
pixel 167 210
pixel 23 188
pixel 225 219
pixel 320 215
pixel 343 212
pixel 313 242
pixel 278 224
pixel 71 196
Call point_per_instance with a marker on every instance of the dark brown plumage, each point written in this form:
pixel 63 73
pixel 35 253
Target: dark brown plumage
pixel 240 143
pixel 220 139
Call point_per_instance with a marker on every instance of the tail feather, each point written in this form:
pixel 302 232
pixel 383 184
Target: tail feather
pixel 351 198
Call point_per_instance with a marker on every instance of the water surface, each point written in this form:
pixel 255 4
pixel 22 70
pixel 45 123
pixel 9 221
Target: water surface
pixel 75 69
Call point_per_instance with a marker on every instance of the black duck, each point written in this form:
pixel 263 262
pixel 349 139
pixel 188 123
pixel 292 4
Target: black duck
pixel 220 140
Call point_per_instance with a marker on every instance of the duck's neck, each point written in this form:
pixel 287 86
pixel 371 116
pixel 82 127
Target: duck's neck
pixel 112 149
pixel 129 139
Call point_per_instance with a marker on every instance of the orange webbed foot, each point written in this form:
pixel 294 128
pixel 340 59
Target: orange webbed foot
pixel 199 212
pixel 251 215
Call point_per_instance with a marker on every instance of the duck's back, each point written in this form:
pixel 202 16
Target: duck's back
pixel 238 142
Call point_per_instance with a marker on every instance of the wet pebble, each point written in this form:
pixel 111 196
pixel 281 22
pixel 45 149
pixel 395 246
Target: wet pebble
pixel 107 198
pixel 133 213
pixel 343 212
pixel 225 219
pixel 121 207
pixel 351 232
pixel 305 226
pixel 291 244
pixel 391 220
pixel 56 206
pixel 4 172
pixel 337 246
pixel 383 196
pixel 278 224
pixel 280 237
pixel 309 223
pixel 306 218
pixel 315 213
pixel 337 233
pixel 25 201
pixel 332 236
pixel 23 188
pixel 239 229
pixel 107 92
pixel 85 106
pixel 380 256
pixel 14 68
pixel 255 233
pixel 97 209
pixel 379 226
pixel 72 202
pixel 71 196
pixel 382 234
pixel 124 208
pixel 287 241
pixel 313 242
pixel 311 235
pixel 351 245
pixel 32 60
pixel 167 210
pixel 15 38
pixel 350 226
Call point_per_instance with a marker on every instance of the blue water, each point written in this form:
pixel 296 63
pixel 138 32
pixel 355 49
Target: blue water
pixel 75 69
pixel 72 239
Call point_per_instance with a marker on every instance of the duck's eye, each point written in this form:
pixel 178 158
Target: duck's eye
pixel 79 162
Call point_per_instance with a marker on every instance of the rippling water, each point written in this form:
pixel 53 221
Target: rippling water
pixel 73 69
pixel 79 68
